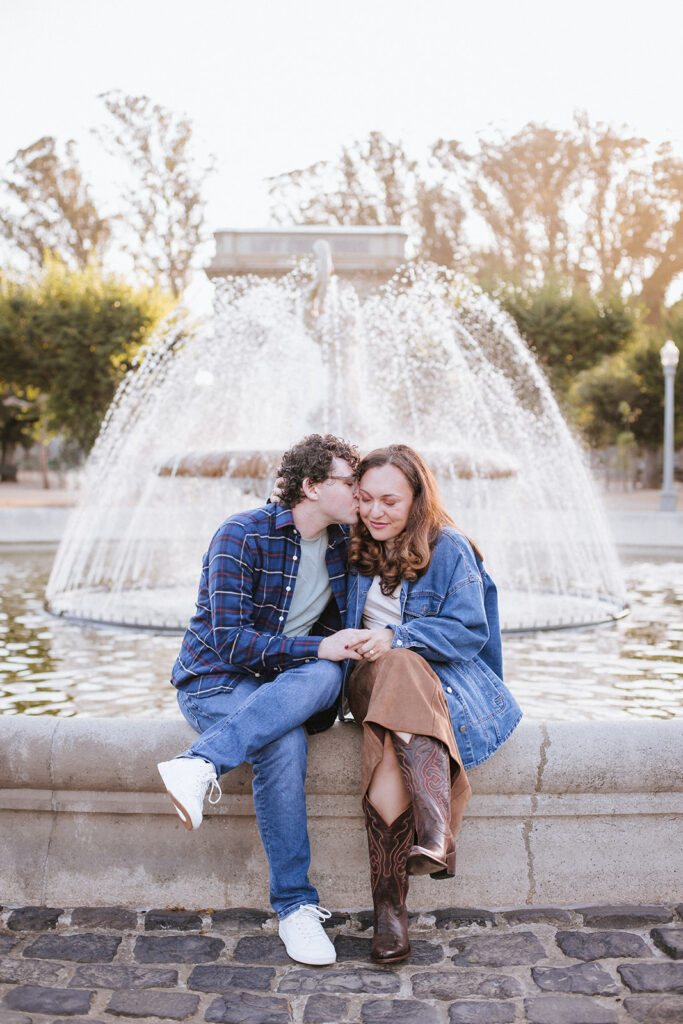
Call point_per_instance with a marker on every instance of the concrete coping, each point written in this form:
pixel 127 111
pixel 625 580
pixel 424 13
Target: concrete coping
pixel 554 758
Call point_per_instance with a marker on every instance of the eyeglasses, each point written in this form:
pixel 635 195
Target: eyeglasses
pixel 350 481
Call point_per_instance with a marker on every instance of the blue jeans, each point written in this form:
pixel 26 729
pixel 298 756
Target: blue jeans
pixel 263 725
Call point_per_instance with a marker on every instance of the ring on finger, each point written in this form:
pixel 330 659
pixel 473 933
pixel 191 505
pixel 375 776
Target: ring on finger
pixel 371 651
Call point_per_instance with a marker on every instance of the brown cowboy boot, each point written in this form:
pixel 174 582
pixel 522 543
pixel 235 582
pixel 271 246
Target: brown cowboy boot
pixel 388 846
pixel 425 767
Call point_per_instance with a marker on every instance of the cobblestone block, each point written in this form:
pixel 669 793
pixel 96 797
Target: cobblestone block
pixel 601 945
pixel 625 915
pixel 424 953
pixel 655 1009
pixel 360 979
pixel 6 943
pixel 36 999
pixel 167 1005
pixel 172 920
pixel 498 950
pixel 210 978
pixel 352 947
pixel 461 917
pixel 538 915
pixel 84 949
pixel 451 984
pixel 589 979
pixel 30 972
pixel 117 919
pixel 123 976
pixel 337 920
pixel 481 1013
pixel 398 1011
pixel 239 917
pixel 568 1010
pixel 243 1008
pixel 664 977
pixel 34 919
pixel 74 1020
pixel 669 940
pixel 176 949
pixel 8 1017
pixel 261 949
pixel 322 1009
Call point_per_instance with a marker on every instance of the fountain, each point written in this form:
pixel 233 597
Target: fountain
pixel 196 431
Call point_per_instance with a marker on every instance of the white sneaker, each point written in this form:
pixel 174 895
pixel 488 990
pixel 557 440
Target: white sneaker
pixel 187 780
pixel 304 937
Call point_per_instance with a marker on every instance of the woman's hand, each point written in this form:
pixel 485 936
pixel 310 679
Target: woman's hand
pixel 340 646
pixel 373 642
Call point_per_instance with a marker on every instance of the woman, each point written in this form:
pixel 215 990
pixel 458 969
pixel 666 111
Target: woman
pixel 431 671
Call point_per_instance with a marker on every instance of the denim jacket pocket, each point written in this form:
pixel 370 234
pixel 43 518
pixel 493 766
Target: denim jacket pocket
pixel 482 692
pixel 420 603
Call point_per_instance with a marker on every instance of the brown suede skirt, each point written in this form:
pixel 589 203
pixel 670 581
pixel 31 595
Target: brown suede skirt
pixel 401 692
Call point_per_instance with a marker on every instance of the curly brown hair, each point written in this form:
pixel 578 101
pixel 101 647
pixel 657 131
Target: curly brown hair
pixel 409 556
pixel 311 458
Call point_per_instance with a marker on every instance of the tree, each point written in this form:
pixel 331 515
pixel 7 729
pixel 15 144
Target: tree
pixel 165 208
pixel 626 391
pixel 523 187
pixel 569 329
pixel 18 416
pixel 594 204
pixel 69 337
pixel 665 240
pixel 375 182
pixel 50 206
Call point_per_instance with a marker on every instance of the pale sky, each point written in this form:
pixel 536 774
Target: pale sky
pixel 273 85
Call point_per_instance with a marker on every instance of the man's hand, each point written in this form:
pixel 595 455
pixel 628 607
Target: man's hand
pixel 276 492
pixel 341 645
pixel 373 642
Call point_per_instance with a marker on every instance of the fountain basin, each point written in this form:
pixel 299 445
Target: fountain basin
pixel 261 466
pixel 563 811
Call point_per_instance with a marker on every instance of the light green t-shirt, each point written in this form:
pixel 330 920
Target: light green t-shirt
pixel 312 590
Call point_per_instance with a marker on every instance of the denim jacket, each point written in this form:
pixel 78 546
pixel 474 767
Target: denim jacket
pixel 450 618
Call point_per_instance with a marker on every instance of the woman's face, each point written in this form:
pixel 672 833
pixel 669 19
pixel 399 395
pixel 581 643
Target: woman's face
pixel 385 498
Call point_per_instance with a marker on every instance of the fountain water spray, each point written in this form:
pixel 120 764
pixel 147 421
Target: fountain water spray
pixel 195 434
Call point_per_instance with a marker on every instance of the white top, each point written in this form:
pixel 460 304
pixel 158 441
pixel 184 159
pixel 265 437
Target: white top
pixel 312 589
pixel 381 611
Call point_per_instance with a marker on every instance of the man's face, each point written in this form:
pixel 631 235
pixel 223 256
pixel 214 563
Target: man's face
pixel 339 493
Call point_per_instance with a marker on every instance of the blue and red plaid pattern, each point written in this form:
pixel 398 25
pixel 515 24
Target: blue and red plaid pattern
pixel 245 590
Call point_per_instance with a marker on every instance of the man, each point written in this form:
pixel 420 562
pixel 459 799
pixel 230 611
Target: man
pixel 260 658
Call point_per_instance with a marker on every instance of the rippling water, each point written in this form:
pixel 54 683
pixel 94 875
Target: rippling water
pixel 631 669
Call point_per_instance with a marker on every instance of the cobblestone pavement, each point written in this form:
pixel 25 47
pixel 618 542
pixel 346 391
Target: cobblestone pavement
pixel 584 965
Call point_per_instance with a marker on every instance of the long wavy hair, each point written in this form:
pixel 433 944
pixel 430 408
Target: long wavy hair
pixel 411 552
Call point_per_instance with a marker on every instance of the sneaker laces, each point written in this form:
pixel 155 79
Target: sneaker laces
pixel 215 790
pixel 209 776
pixel 310 918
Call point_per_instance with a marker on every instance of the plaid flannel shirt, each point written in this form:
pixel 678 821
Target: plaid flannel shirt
pixel 245 591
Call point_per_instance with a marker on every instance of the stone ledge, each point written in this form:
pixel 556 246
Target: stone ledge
pixel 563 809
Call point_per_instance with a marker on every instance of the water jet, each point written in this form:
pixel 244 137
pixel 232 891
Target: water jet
pixel 196 430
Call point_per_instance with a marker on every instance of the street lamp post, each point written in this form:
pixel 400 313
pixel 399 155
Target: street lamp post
pixel 669 356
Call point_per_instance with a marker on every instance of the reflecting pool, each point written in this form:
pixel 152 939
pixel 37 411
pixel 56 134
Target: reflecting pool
pixel 633 668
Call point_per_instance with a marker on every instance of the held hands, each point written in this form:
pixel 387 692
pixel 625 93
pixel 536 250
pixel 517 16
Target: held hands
pixel 338 646
pixel 371 643
pixel 356 644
